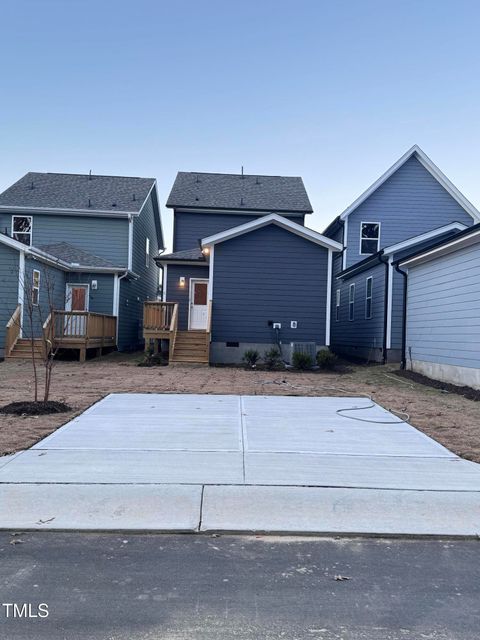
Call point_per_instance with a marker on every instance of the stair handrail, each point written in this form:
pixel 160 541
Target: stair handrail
pixel 173 329
pixel 13 329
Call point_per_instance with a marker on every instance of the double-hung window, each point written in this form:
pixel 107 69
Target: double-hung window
pixel 368 297
pixel 147 252
pixel 337 306
pixel 351 302
pixel 22 229
pixel 35 287
pixel 369 237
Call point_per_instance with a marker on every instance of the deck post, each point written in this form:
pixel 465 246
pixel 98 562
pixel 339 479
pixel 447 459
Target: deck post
pixel 83 354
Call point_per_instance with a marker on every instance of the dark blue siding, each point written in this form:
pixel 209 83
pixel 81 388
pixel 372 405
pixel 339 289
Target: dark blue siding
pixel 189 228
pixel 269 274
pixel 409 203
pixel 52 294
pixel 361 332
pixel 100 299
pixel 175 293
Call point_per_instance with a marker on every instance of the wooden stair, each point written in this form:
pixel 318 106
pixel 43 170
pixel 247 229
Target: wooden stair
pixel 23 349
pixel 191 347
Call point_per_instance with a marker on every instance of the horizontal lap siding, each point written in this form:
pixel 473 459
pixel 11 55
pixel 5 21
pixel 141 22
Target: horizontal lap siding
pixel 175 293
pixel 9 264
pixel 409 203
pixel 189 228
pixel 269 274
pixel 52 294
pixel 443 315
pixel 104 237
pixel 101 298
pixel 134 292
pixel 361 332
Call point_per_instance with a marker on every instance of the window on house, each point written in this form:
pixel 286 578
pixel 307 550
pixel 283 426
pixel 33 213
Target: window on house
pixel 35 287
pixel 147 252
pixel 22 229
pixel 351 302
pixel 369 237
pixel 337 306
pixel 368 298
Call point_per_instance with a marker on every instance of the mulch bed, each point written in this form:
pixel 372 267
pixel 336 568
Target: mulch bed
pixel 35 408
pixel 466 392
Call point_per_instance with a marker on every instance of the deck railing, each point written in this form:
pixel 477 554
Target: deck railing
pixel 13 329
pixel 84 326
pixel 157 316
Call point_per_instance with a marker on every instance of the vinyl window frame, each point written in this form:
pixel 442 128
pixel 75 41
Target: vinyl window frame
pixel 147 252
pixel 338 295
pixel 351 302
pixel 369 298
pixel 362 222
pixel 29 233
pixel 36 277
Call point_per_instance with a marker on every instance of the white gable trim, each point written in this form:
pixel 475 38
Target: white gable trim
pixel 394 248
pixel 431 168
pixel 448 247
pixel 280 221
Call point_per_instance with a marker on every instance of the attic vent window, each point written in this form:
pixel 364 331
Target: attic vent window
pixel 369 238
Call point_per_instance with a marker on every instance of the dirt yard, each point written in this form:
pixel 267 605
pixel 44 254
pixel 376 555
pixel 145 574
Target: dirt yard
pixel 451 419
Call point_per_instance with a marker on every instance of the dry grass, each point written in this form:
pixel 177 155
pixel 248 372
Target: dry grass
pixel 451 419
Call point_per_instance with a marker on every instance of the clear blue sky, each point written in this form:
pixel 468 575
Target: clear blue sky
pixel 332 91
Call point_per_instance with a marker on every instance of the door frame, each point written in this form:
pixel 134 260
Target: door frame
pixel 68 301
pixel 190 298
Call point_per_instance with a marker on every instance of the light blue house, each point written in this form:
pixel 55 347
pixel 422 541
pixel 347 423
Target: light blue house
pixel 83 245
pixel 442 310
pixel 245 272
pixel 408 208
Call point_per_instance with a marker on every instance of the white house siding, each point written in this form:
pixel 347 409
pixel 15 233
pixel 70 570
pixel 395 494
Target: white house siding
pixel 443 317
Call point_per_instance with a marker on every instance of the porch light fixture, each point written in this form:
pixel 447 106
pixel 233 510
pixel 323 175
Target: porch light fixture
pixel 206 251
pixel 181 281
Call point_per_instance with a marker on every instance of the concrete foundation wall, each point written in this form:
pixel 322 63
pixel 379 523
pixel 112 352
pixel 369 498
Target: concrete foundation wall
pixel 221 354
pixel 462 376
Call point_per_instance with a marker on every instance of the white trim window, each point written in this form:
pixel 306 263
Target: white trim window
pixel 35 288
pixel 368 297
pixel 22 229
pixel 337 305
pixel 351 302
pixel 369 238
pixel 147 252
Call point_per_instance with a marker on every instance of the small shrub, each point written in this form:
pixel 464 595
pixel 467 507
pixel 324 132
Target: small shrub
pixel 326 359
pixel 251 357
pixel 302 361
pixel 153 360
pixel 272 358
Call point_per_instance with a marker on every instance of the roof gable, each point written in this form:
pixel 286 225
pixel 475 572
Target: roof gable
pixel 424 160
pixel 226 191
pixel 284 223
pixel 67 192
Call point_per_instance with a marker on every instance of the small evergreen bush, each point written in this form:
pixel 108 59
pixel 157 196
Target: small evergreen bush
pixel 326 359
pixel 302 361
pixel 272 358
pixel 251 357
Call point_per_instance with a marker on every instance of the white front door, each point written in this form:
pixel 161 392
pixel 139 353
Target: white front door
pixel 198 316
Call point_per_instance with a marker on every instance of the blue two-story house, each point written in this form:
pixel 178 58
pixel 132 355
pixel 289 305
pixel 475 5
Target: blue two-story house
pixel 245 271
pixel 83 245
pixel 411 206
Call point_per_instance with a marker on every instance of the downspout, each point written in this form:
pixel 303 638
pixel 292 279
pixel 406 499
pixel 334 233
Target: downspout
pixel 403 363
pixel 385 309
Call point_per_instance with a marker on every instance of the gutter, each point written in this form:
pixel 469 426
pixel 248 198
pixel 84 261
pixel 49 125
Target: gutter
pixel 403 363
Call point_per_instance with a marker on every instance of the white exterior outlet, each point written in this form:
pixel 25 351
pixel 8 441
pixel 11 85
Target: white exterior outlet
pixel 277 325
pixel 293 324
pixel 94 284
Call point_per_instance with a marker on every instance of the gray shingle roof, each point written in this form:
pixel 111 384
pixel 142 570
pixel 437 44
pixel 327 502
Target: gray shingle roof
pixel 187 254
pixel 73 191
pixel 232 191
pixel 75 256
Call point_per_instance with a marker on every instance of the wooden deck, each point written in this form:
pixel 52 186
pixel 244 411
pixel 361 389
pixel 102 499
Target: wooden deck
pixel 160 322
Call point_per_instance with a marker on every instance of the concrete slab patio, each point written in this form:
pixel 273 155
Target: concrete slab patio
pixel 179 462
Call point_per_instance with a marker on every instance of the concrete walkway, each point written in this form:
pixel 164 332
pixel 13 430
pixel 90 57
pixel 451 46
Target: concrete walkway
pixel 229 463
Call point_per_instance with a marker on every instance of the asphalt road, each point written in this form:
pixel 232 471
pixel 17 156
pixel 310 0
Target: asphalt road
pixel 172 587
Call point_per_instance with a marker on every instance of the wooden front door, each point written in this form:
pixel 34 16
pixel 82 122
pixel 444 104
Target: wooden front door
pixel 198 316
pixel 76 299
